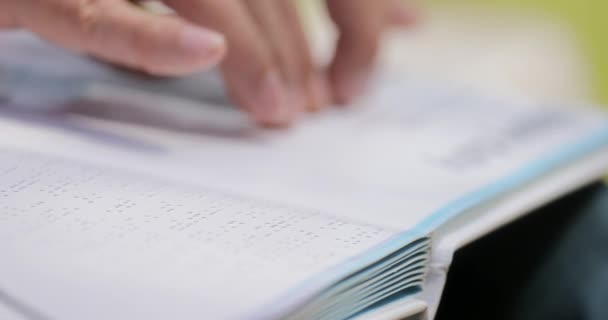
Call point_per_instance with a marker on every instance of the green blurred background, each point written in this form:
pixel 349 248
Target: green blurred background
pixel 588 19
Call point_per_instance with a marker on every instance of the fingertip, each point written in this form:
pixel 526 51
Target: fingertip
pixel 361 24
pixel 318 93
pixel 348 85
pixel 205 47
pixel 269 102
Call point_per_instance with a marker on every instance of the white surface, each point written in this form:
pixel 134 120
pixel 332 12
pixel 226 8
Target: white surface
pixel 475 224
pixel 180 250
pixel 400 160
pixel 267 174
pixel 6 313
pixel 92 141
pixel 470 226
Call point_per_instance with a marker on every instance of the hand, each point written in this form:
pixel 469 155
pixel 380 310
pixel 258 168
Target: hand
pixel 268 68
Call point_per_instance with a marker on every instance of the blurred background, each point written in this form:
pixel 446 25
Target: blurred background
pixel 554 50
pixel 550 50
pixel 583 20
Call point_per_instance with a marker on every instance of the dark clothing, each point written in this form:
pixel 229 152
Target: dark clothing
pixel 552 264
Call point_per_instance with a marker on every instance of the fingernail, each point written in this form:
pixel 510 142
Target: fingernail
pixel 351 87
pixel 201 41
pixel 318 93
pixel 272 106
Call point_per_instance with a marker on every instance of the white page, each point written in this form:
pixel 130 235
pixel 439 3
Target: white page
pixel 80 242
pixel 392 161
pixel 402 154
pixel 405 152
pixel 363 166
pixel 8 313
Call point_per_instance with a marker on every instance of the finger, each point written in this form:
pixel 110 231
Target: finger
pixel 7 14
pixel 252 77
pixel 401 14
pixel 280 24
pixel 267 16
pixel 313 79
pixel 121 33
pixel 5 23
pixel 7 18
pixel 361 24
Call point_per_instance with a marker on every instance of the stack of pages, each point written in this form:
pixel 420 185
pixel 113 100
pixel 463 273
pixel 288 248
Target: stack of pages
pixel 123 197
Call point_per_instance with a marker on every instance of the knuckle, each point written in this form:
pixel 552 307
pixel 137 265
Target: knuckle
pixel 142 39
pixel 146 45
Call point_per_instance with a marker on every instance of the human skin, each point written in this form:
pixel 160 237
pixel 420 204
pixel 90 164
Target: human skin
pixel 259 45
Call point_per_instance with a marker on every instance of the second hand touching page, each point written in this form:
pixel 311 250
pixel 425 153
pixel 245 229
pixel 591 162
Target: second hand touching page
pixel 82 242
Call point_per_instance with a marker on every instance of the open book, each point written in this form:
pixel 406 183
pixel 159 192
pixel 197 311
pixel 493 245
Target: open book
pixel 355 213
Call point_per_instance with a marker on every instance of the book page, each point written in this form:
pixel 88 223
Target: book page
pixel 405 152
pixel 401 155
pixel 7 313
pixel 75 236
